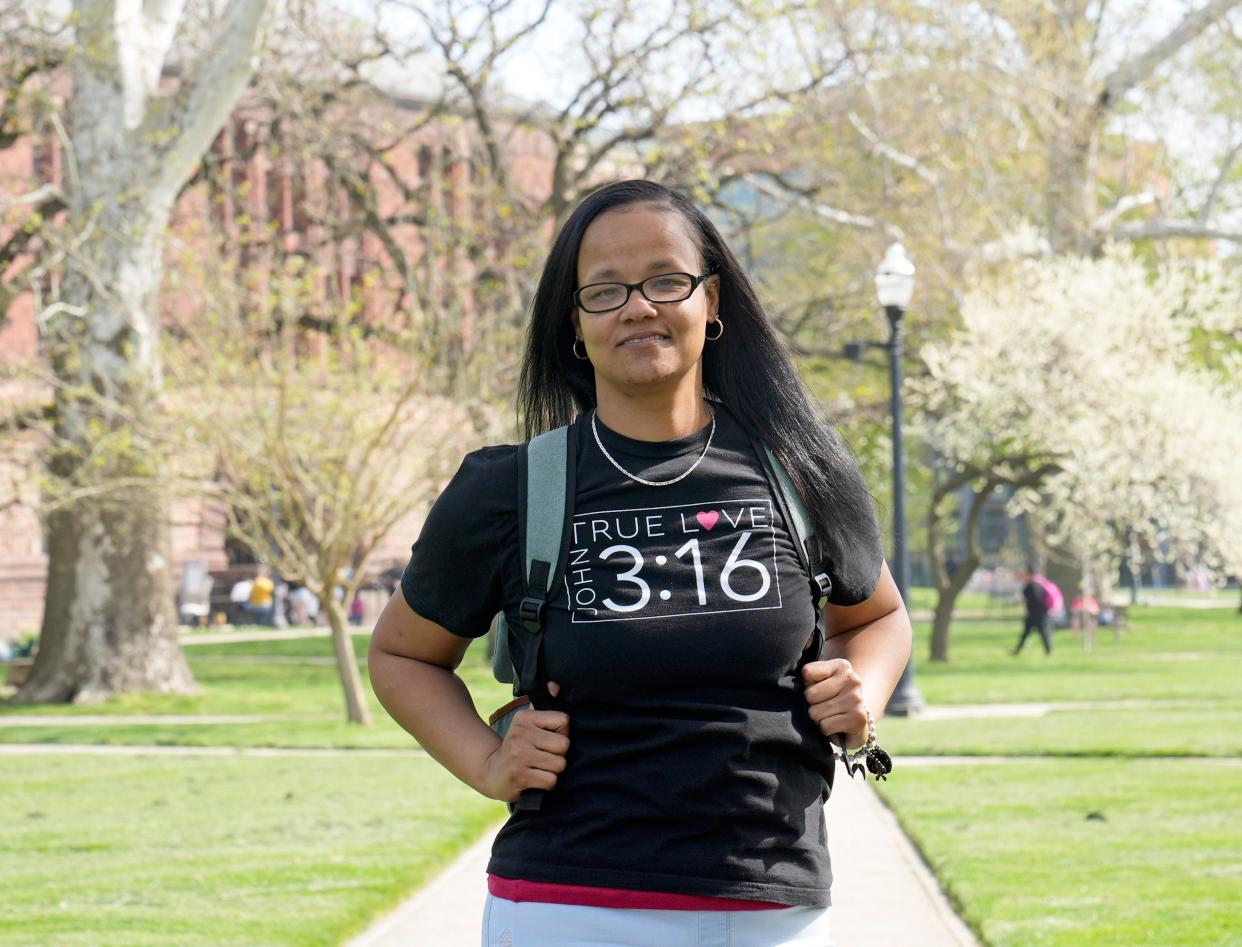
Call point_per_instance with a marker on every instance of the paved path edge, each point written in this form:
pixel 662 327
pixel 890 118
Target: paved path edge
pixel 919 867
pixel 461 873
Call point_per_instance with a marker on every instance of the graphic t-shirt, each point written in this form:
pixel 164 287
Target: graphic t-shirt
pixel 676 636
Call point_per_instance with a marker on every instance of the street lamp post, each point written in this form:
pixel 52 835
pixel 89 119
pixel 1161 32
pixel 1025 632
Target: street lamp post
pixel 894 285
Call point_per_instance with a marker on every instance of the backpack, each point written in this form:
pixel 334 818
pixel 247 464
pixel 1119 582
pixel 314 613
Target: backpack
pixel 547 482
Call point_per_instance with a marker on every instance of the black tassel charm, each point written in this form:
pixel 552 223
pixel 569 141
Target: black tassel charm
pixel 879 763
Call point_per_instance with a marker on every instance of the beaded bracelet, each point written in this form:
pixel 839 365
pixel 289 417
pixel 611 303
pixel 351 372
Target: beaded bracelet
pixel 868 743
pixel 879 763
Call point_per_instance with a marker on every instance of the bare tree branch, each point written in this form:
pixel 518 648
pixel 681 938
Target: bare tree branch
pixel 1222 174
pixel 193 115
pixel 1122 207
pixel 1167 229
pixel 773 186
pixel 892 154
pixel 39 195
pixel 1138 68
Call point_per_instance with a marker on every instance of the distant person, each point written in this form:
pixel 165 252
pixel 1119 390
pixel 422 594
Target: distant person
pixel 239 600
pixel 1057 615
pixel 303 605
pixel 357 610
pixel 1085 617
pixel 280 612
pixel 261 605
pixel 1084 607
pixel 1036 599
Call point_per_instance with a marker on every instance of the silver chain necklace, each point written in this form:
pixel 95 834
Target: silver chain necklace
pixel 652 483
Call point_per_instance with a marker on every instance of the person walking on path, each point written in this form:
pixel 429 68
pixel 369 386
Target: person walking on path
pixel 1057 615
pixel 1036 617
pixel 688 683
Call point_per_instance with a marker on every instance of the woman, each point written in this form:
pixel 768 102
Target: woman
pixel 685 760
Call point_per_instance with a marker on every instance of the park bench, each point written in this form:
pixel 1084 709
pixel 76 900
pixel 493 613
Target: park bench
pixel 222 609
pixel 17 670
pixel 1084 624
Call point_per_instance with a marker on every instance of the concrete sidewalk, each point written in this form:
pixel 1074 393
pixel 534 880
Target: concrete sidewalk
pixel 883 895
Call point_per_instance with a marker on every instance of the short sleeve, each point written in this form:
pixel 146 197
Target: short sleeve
pixel 459 565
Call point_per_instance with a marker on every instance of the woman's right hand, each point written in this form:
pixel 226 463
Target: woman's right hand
pixel 530 756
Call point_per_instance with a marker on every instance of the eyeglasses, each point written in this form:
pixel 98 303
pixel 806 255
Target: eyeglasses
pixel 665 288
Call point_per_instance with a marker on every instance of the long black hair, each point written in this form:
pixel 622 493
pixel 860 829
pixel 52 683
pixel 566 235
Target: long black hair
pixel 749 370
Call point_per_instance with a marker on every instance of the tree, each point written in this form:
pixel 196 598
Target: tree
pixel 968 117
pixel 626 82
pixel 1081 385
pixel 130 145
pixel 627 74
pixel 1057 113
pixel 316 442
pixel 34 48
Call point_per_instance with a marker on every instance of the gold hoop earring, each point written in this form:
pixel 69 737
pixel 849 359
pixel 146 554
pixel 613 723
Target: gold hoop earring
pixel 713 338
pixel 574 347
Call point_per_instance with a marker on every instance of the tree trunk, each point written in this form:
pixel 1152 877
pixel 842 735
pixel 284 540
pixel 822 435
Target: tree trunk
pixel 942 618
pixel 356 708
pixel 1070 192
pixel 946 602
pixel 949 585
pixel 109 624
pixel 940 575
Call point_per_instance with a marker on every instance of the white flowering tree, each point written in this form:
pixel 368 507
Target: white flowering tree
pixel 1106 396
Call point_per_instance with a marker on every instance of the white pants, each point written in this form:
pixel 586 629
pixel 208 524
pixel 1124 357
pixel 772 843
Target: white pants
pixel 533 924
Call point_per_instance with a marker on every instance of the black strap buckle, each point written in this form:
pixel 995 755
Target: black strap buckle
pixel 825 587
pixel 531 613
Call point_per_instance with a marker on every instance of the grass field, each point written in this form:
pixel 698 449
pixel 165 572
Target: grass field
pixel 1083 852
pixel 306 850
pixel 1167 653
pixel 1106 838
pixel 291 684
pixel 120 851
pixel 215 851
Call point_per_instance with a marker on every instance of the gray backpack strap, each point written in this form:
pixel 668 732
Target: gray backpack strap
pixel 542 502
pixel 502 660
pixel 803 528
pixel 541 517
pixel 546 464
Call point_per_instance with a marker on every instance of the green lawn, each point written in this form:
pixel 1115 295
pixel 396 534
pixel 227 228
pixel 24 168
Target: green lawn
pixel 214 851
pixel 1015 848
pixel 1198 729
pixel 223 850
pixel 292 681
pixel 226 850
pixel 1012 843
pixel 1167 653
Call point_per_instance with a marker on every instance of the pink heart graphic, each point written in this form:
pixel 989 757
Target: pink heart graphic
pixel 707 519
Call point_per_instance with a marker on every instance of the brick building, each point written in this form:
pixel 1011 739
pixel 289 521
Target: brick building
pixel 437 169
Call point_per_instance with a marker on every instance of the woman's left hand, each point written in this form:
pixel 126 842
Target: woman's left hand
pixel 833 691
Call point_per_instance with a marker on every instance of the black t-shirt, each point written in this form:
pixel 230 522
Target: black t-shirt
pixel 676 637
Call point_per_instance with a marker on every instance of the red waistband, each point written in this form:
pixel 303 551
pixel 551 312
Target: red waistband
pixel 512 889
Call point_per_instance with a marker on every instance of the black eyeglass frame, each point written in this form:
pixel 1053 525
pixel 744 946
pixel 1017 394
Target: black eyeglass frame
pixel 695 282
